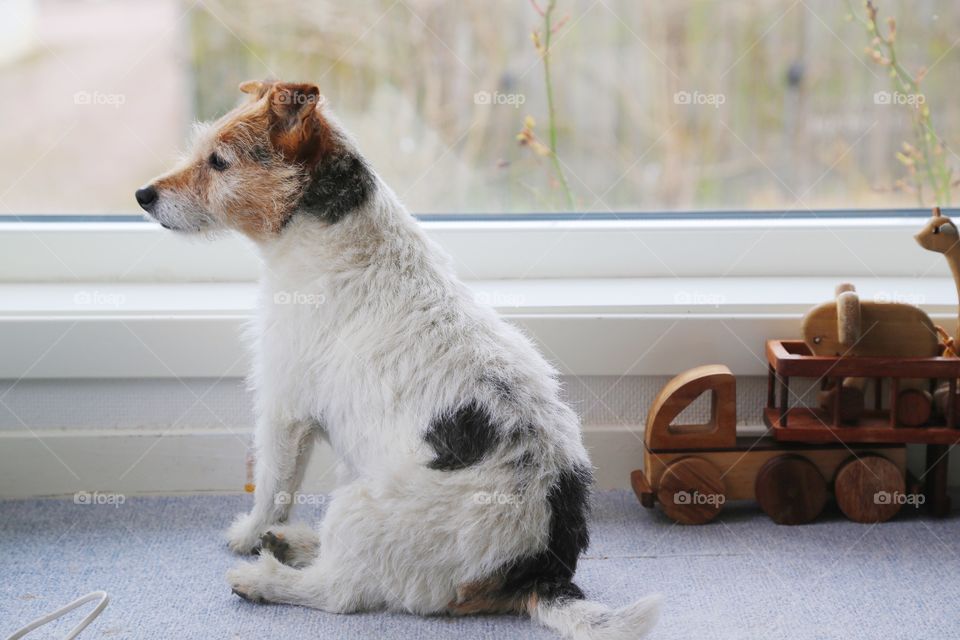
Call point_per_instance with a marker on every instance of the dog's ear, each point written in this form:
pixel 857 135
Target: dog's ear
pixel 256 89
pixel 296 128
pixel 292 103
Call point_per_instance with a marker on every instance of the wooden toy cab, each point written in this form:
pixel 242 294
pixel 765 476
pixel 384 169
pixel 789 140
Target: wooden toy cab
pixel 693 470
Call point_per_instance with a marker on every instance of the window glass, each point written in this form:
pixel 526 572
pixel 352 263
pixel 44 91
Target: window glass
pixel 656 106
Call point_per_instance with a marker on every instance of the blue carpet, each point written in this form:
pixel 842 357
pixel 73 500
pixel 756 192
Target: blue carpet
pixel 162 560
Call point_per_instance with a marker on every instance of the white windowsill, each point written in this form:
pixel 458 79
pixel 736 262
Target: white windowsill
pixel 596 326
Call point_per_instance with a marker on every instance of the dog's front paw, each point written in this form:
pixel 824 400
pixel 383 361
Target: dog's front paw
pixel 251 580
pixel 243 582
pixel 243 536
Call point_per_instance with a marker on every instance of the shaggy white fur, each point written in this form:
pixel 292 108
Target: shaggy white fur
pixel 366 338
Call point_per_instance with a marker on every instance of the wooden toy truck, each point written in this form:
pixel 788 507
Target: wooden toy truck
pixel 693 470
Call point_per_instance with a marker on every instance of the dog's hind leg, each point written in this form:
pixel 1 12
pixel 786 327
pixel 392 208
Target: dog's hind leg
pixel 282 452
pixel 295 545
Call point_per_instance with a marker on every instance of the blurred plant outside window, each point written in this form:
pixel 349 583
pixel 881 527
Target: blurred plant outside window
pixel 656 106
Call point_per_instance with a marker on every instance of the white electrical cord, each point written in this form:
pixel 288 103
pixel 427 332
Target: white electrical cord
pixel 90 597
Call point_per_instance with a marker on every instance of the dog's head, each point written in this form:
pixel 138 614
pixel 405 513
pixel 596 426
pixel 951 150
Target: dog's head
pixel 249 169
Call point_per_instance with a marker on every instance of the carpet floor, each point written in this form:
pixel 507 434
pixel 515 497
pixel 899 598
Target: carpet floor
pixel 162 560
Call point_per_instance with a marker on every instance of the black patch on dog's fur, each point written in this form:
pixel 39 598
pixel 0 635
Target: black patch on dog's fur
pixel 340 184
pixel 462 438
pixel 549 573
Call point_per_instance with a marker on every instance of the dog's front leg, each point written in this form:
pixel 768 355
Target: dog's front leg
pixel 282 451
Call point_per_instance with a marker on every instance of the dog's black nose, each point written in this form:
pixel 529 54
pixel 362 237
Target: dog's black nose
pixel 147 196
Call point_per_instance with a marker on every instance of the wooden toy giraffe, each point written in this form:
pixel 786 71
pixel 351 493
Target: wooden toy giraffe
pixel 940 235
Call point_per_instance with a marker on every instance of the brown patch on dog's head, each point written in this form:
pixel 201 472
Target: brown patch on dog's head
pixel 298 131
pixel 247 170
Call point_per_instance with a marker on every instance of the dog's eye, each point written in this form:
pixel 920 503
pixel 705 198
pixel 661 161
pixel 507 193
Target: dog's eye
pixel 936 230
pixel 217 162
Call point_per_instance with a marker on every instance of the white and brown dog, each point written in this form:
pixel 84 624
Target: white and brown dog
pixel 464 484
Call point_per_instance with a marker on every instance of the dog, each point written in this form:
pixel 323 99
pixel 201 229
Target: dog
pixel 463 483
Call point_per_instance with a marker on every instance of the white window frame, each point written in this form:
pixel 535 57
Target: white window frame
pixel 680 246
pixel 602 297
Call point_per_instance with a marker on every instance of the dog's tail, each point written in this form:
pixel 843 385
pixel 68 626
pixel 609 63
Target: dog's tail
pixel 585 620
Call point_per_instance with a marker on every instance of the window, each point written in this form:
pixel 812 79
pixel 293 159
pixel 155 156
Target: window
pixel 658 106
pixel 727 162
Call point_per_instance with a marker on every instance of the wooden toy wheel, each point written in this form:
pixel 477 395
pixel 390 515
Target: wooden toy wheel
pixel 638 480
pixel 869 489
pixel 691 491
pixel 790 489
